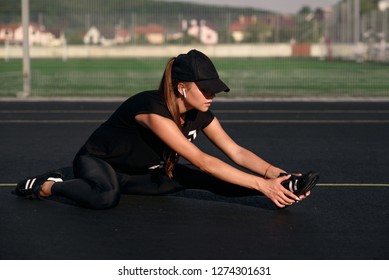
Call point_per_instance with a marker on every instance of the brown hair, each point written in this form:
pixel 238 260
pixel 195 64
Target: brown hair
pixel 170 92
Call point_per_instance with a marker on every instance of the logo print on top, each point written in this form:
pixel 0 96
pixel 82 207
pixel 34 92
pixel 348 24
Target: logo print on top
pixel 192 135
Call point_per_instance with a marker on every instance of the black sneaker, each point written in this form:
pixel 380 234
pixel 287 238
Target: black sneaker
pixel 30 187
pixel 300 185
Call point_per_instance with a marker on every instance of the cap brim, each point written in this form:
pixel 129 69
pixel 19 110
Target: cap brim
pixel 212 86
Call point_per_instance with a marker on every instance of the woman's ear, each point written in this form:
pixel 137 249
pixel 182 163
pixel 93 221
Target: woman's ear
pixel 181 89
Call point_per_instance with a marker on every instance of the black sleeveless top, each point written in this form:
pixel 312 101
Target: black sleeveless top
pixel 131 148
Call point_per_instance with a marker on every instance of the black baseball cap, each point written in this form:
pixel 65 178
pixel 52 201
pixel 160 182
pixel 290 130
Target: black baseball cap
pixel 198 68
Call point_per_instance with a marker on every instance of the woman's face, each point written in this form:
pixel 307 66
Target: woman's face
pixel 196 99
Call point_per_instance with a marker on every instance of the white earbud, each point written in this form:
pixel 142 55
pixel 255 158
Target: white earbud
pixel 184 92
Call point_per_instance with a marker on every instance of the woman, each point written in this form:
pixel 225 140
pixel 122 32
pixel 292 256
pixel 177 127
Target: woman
pixel 136 150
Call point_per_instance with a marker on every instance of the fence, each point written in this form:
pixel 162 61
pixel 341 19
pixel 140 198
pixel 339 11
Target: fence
pixel 144 28
pixel 367 30
pixel 68 38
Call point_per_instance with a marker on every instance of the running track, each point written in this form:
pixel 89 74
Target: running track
pixel 346 216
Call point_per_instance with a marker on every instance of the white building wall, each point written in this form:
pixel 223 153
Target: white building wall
pixel 227 50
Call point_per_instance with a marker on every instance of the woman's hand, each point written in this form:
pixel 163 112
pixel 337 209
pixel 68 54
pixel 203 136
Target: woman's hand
pixel 282 197
pixel 274 172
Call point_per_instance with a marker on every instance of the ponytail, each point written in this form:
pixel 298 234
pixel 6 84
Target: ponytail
pixel 169 89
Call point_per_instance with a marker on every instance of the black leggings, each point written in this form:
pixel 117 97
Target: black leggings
pixel 97 185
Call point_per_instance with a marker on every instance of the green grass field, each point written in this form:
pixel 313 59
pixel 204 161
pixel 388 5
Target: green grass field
pixel 247 77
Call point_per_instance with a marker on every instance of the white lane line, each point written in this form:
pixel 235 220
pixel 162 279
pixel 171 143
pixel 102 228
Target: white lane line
pixel 318 185
pixel 222 121
pixel 232 111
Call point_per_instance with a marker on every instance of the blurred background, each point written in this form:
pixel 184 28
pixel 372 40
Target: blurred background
pixel 267 49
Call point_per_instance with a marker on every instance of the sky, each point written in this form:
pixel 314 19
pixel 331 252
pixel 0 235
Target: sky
pixel 281 6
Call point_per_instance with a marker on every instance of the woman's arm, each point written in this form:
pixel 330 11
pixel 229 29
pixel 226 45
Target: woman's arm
pixel 239 154
pixel 168 132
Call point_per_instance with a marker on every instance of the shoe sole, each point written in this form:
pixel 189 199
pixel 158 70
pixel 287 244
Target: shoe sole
pixel 311 182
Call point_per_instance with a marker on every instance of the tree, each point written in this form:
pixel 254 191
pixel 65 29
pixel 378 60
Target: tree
pixel 368 6
pixel 305 10
pixel 258 33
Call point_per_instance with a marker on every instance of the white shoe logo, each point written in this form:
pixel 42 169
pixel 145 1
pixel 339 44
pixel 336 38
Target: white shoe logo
pixel 29 184
pixel 293 185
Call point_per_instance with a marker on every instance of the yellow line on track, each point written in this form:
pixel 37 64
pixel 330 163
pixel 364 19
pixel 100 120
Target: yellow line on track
pixel 302 111
pixel 50 121
pixel 352 185
pixel 308 121
pixel 56 111
pixel 8 185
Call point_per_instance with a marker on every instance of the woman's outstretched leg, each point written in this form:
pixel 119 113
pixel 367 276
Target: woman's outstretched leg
pixel 154 183
pixel 190 177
